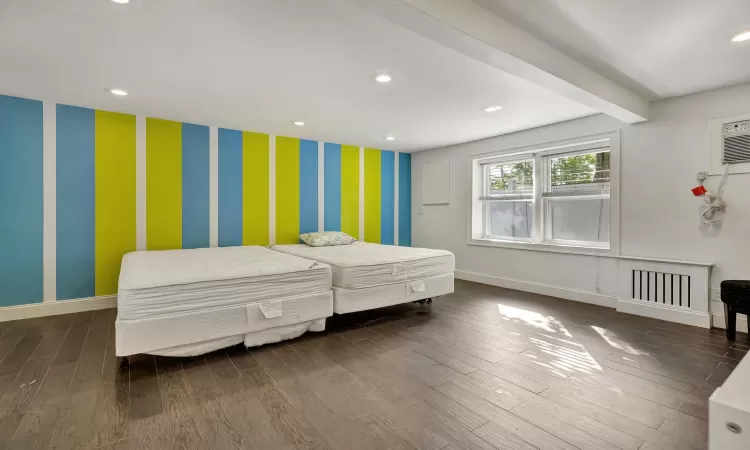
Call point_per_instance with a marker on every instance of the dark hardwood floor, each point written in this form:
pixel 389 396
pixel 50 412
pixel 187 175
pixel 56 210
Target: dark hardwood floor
pixel 483 368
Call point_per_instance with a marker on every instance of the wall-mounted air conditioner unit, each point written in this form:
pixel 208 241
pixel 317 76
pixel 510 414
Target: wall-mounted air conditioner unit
pixel 730 144
pixel 736 142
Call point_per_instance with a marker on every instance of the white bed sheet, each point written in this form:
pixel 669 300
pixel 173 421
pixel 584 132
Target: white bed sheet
pixel 362 265
pixel 159 283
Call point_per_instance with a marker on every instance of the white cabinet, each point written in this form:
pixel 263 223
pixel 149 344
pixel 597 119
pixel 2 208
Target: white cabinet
pixel 729 411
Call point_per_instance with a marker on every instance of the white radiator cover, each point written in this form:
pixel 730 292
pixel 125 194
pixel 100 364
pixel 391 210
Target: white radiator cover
pixel 677 291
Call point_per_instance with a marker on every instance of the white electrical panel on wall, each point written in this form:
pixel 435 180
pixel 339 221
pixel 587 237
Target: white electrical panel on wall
pixel 436 183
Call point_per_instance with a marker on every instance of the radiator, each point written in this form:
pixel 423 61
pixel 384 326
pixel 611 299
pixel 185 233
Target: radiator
pixel 669 290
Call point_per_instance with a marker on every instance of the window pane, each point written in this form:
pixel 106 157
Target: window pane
pixel 510 219
pixel 585 172
pixel 579 220
pixel 511 178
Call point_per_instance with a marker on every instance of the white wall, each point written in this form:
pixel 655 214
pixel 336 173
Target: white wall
pixel 658 215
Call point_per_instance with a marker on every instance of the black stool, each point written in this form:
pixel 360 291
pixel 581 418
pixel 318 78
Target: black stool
pixel 736 297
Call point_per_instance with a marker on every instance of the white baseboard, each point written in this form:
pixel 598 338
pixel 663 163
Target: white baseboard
pixel 655 311
pixel 664 312
pixel 57 307
pixel 718 321
pixel 577 295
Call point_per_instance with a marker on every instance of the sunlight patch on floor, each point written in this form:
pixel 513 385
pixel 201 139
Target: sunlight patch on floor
pixel 568 359
pixel 610 338
pixel 533 319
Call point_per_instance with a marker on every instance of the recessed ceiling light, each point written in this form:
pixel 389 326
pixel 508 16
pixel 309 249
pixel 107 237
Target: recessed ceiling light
pixel 389 138
pixel 744 36
pixel 299 124
pixel 493 108
pixel 383 78
pixel 119 92
pixel 121 1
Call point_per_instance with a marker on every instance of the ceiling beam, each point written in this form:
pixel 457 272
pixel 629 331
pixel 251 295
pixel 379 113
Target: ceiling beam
pixel 472 30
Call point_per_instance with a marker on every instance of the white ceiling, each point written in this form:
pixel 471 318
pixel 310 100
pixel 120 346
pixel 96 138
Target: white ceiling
pixel 658 48
pixel 262 64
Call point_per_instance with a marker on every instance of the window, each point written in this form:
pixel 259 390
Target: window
pixel 508 199
pixel 558 195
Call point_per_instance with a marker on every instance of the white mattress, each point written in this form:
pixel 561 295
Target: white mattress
pixel 362 265
pixel 159 283
pixel 203 330
pixel 352 300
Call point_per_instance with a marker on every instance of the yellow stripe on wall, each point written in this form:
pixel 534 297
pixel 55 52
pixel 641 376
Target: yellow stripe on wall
pixel 163 184
pixel 254 188
pixel 114 148
pixel 372 195
pixel 350 190
pixel 287 190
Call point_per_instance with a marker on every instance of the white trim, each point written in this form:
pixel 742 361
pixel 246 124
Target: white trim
pixel 361 194
pixel 321 186
pixel 542 247
pixel 665 312
pixel 49 183
pixel 717 321
pixel 577 295
pixel 395 195
pixel 213 186
pixel 717 317
pixel 271 189
pixel 140 182
pixel 56 308
pixel 653 310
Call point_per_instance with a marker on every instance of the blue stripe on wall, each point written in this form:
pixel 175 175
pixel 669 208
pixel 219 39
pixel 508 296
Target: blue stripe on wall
pixel 21 201
pixel 75 202
pixel 332 187
pixel 404 199
pixel 195 186
pixel 230 187
pixel 308 186
pixel 387 166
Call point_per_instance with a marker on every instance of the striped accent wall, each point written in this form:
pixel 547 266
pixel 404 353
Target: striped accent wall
pixel 177 185
pixel 404 199
pixel 21 201
pixel 266 190
pixel 95 193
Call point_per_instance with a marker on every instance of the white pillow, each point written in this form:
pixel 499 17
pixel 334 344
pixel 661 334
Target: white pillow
pixel 326 238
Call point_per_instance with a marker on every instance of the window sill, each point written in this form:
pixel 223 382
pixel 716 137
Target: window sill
pixel 546 247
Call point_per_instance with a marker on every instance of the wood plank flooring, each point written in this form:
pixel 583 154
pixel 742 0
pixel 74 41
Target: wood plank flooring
pixel 484 368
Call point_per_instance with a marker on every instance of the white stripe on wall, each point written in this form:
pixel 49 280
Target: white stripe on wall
pixel 140 182
pixel 362 194
pixel 213 186
pixel 271 189
pixel 49 172
pixel 395 200
pixel 321 186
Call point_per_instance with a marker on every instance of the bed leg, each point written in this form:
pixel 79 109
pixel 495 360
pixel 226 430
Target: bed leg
pixel 426 301
pixel 124 363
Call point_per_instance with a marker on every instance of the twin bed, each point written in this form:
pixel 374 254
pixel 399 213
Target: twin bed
pixel 190 302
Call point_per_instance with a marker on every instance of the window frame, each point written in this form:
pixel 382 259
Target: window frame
pixel 541 155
